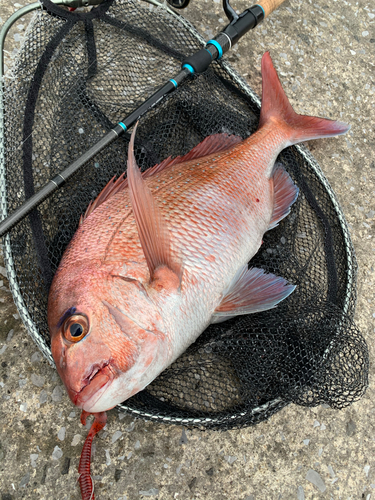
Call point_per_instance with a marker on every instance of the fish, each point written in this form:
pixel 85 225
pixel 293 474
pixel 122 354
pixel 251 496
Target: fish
pixel 159 256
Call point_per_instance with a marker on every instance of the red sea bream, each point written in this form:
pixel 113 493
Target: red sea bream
pixel 158 257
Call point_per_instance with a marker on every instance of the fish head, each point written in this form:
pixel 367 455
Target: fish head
pixel 107 336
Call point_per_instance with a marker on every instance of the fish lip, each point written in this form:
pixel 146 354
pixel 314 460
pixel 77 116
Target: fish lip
pixel 93 372
pixel 104 368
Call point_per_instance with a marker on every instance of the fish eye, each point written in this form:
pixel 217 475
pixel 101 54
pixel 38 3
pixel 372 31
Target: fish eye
pixel 76 330
pixel 76 327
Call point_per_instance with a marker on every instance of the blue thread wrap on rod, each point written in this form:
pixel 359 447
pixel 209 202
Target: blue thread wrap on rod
pixel 189 67
pixel 218 47
pixel 264 14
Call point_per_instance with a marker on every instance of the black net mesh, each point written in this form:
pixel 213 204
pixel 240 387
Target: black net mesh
pixel 76 77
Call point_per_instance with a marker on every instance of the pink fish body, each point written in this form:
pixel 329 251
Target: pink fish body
pixel 159 257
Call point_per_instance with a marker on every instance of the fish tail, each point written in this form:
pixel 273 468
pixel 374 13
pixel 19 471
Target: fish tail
pixel 276 107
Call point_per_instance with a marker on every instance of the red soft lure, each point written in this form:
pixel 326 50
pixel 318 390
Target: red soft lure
pixel 85 480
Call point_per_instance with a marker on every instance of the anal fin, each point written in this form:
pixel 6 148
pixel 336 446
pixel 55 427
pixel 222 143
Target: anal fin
pixel 285 194
pixel 251 291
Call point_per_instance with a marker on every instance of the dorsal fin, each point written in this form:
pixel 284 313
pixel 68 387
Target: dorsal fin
pixel 211 144
pixel 152 228
pixel 110 189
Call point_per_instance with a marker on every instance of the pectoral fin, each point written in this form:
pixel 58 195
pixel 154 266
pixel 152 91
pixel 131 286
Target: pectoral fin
pixel 152 228
pixel 251 291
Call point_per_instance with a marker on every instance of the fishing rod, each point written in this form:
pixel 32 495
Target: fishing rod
pixel 239 25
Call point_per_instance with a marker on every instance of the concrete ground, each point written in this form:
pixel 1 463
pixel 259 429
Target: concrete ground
pixel 324 52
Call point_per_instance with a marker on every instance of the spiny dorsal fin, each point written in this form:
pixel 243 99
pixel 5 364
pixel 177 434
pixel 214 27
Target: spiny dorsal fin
pixel 285 194
pixel 152 228
pixel 251 291
pixel 110 189
pixel 211 144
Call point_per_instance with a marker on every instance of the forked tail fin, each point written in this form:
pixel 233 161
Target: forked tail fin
pixel 276 107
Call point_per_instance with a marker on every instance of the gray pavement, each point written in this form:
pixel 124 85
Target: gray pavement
pixel 324 52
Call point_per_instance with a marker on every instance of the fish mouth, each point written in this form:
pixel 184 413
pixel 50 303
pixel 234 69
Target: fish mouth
pixel 98 378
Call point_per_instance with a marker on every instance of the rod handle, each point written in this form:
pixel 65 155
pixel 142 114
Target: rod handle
pixel 269 6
